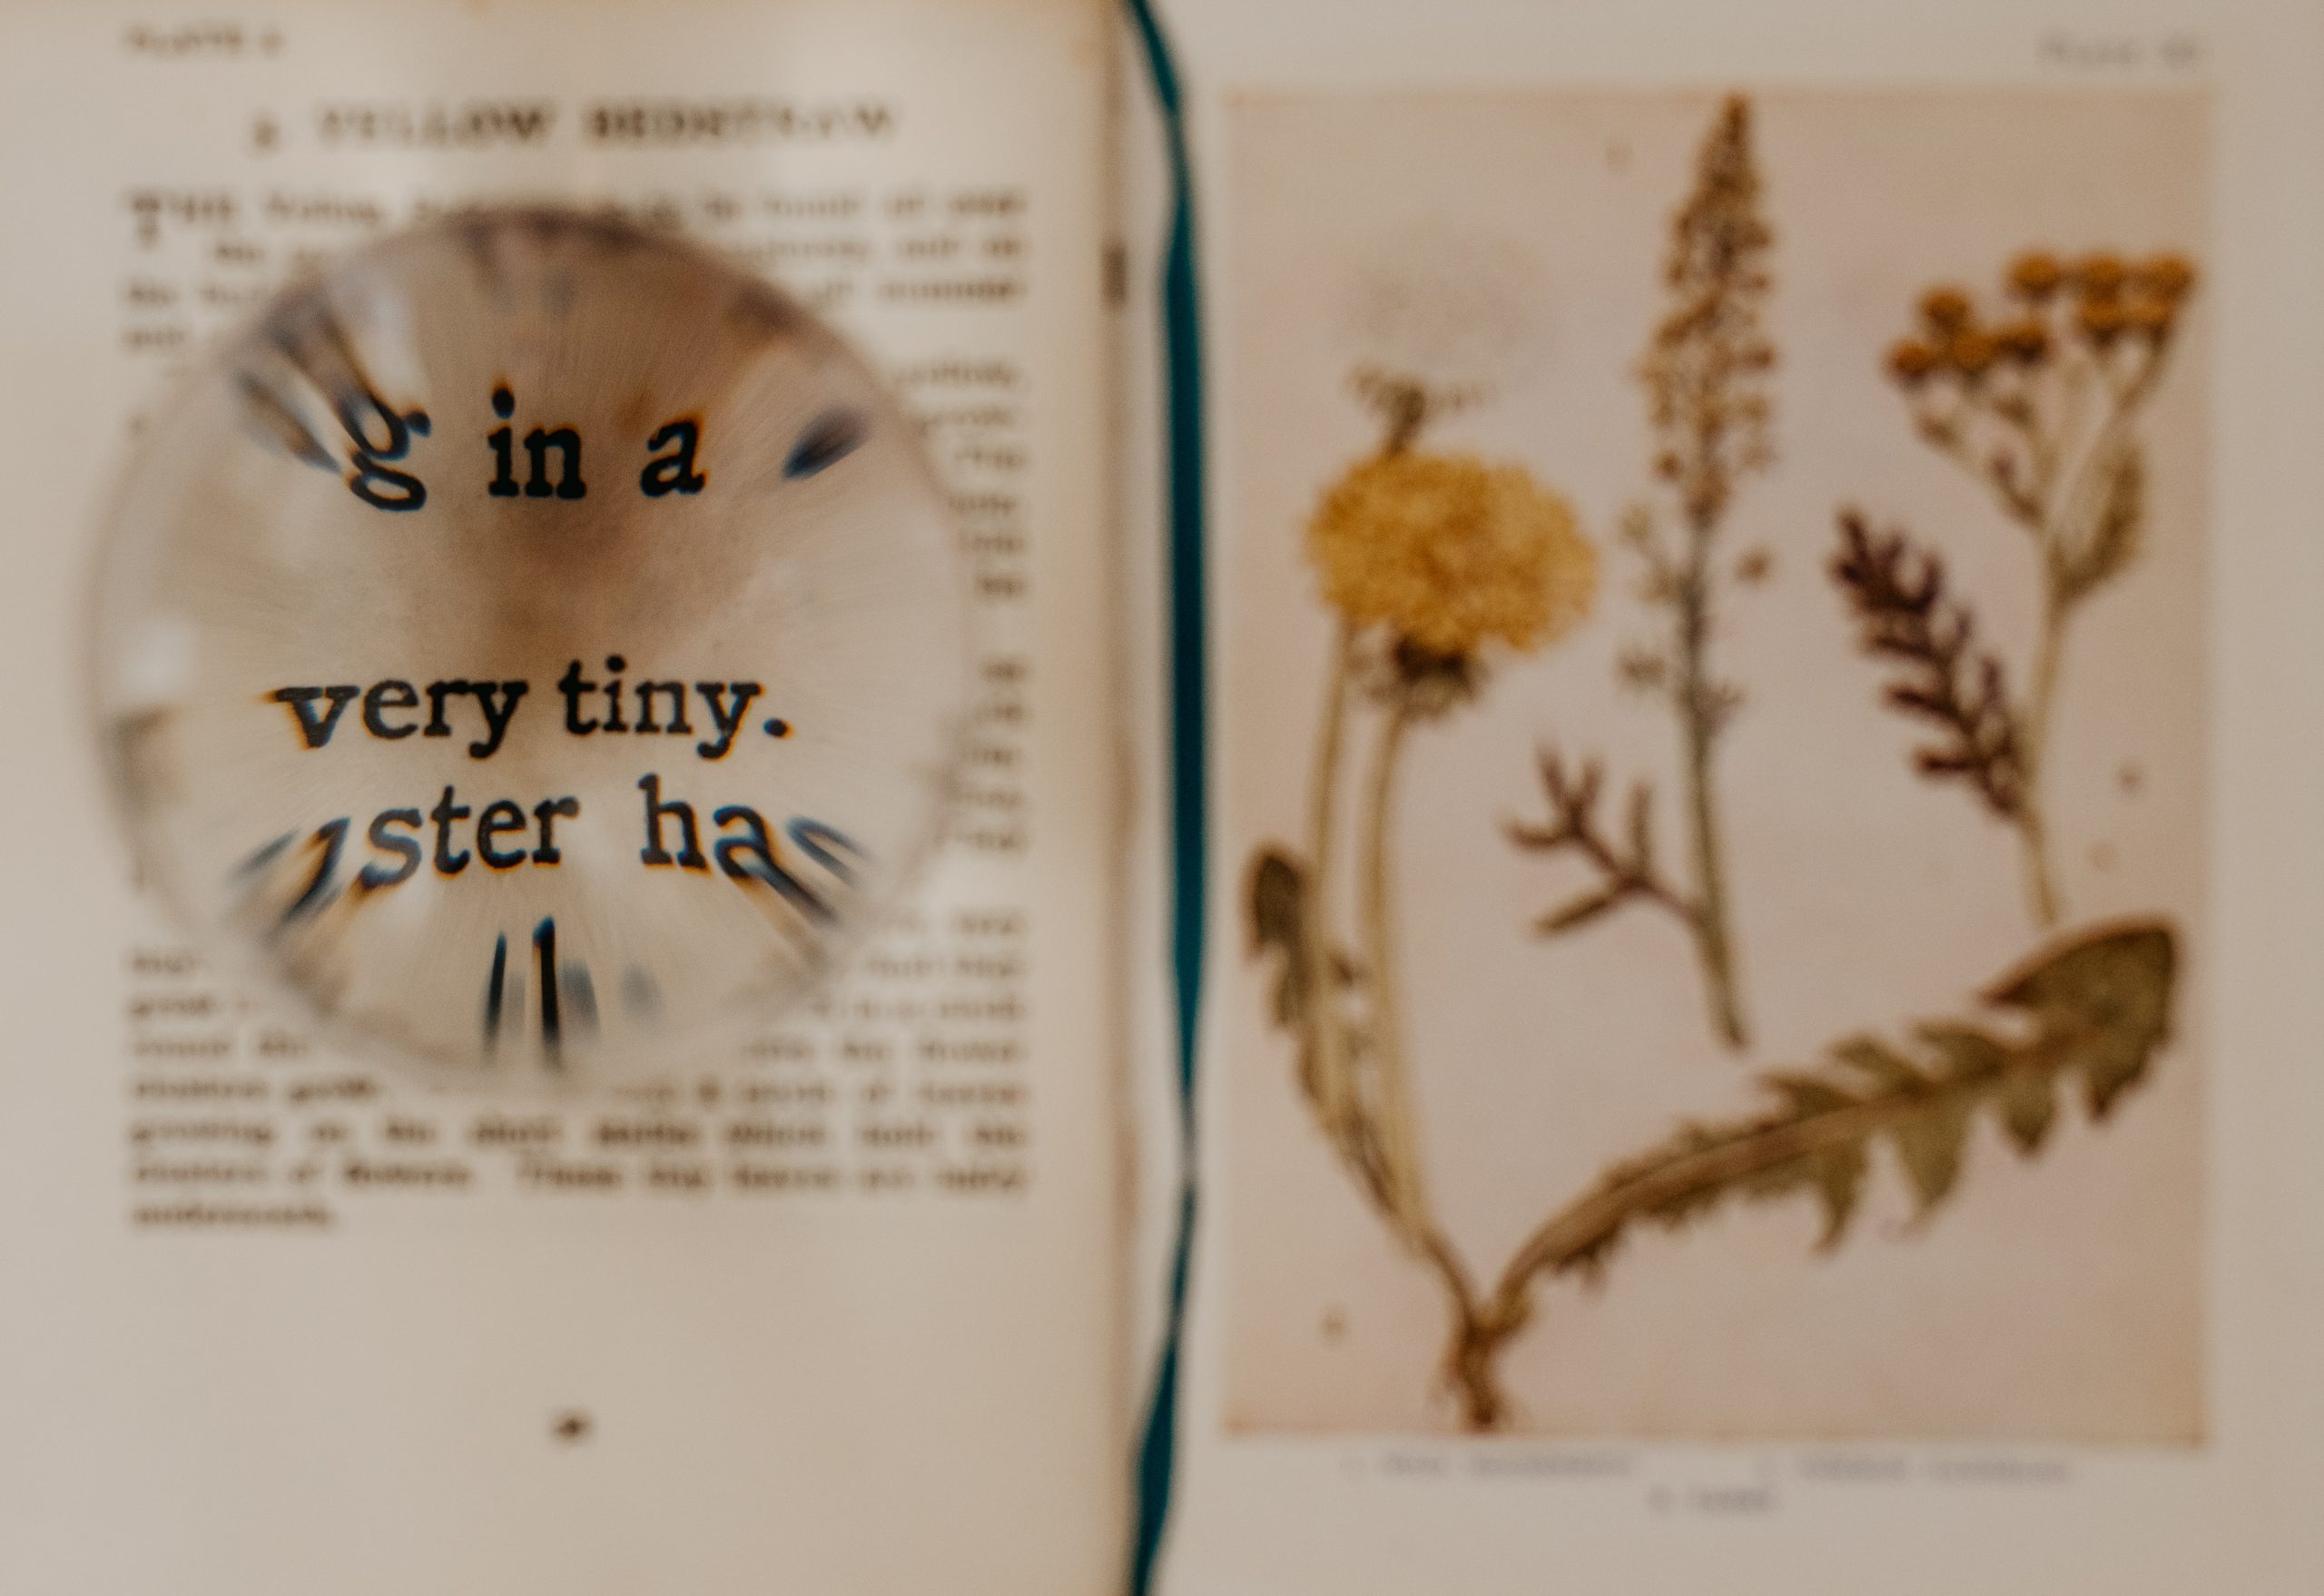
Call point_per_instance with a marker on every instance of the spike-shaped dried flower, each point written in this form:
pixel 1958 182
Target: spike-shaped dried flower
pixel 1708 402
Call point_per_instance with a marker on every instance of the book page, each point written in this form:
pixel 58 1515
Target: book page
pixel 840 1315
pixel 1752 1035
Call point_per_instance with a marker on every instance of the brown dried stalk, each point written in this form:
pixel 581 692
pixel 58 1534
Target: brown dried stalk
pixel 1626 867
pixel 1705 374
pixel 1906 616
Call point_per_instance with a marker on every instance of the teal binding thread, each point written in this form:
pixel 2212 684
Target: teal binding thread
pixel 1190 762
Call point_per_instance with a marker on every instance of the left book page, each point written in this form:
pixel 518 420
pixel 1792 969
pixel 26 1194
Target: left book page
pixel 840 1316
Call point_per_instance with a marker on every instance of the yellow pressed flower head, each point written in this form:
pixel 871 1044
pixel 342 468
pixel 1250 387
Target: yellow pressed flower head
pixel 1448 552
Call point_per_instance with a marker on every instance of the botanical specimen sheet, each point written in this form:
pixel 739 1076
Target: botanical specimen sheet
pixel 1715 644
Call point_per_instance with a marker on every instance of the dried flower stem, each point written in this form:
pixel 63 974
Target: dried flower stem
pixel 1703 374
pixel 1332 1083
pixel 1398 1135
pixel 1347 1013
pixel 1700 718
pixel 2033 826
pixel 2011 401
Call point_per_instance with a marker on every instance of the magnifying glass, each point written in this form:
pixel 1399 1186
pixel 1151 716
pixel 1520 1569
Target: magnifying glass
pixel 533 645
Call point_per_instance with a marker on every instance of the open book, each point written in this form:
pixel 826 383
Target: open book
pixel 1673 643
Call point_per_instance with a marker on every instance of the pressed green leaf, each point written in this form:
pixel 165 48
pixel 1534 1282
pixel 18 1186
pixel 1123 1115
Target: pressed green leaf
pixel 2029 1103
pixel 2119 978
pixel 1887 1069
pixel 1806 1094
pixel 1964 1054
pixel 1285 1003
pixel 1277 907
pixel 2100 1010
pixel 1928 1143
pixel 2093 1009
pixel 1278 897
pixel 1839 1177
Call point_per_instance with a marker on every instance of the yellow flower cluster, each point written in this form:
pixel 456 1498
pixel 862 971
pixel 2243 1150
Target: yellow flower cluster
pixel 2098 299
pixel 1447 552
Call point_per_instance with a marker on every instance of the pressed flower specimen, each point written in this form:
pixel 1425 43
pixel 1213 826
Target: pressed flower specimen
pixel 2089 1013
pixel 1440 1092
pixel 1706 376
pixel 2038 401
pixel 1432 561
pixel 2086 1014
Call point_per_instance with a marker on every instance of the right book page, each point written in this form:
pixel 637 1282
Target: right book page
pixel 1756 1024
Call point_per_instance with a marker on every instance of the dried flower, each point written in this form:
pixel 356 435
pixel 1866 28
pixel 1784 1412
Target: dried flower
pixel 2026 342
pixel 2167 277
pixel 2100 320
pixel 2036 274
pixel 1911 361
pixel 1972 352
pixel 1946 310
pixel 2070 481
pixel 1448 553
pixel 2099 276
pixel 1712 410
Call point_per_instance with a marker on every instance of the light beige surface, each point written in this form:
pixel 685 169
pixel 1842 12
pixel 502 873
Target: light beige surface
pixel 836 1394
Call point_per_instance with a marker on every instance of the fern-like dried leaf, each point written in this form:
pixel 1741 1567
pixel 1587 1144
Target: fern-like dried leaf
pixel 1623 864
pixel 1886 1070
pixel 1904 615
pixel 1929 1141
pixel 2029 1106
pixel 2093 1009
